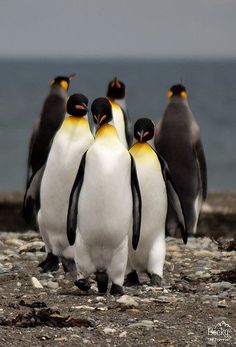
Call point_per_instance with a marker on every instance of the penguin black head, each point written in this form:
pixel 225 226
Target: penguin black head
pixel 116 89
pixel 62 81
pixel 143 129
pixel 101 111
pixel 77 105
pixel 178 90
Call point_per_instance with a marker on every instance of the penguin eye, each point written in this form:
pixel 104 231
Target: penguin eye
pixel 169 94
pixel 183 94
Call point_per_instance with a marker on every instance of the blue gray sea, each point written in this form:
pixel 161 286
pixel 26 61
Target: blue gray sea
pixel 211 87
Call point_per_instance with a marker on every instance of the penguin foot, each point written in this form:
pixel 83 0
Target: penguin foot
pixel 68 265
pixel 83 284
pixel 155 280
pixel 51 263
pixel 116 290
pixel 102 282
pixel 132 279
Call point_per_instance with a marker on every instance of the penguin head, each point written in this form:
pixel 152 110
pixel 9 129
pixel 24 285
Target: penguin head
pixel 177 90
pixel 116 89
pixel 143 129
pixel 62 81
pixel 101 111
pixel 77 105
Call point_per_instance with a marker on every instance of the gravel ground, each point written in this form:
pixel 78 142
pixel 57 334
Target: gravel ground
pixel 195 307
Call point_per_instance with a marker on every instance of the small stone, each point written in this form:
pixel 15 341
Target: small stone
pixel 123 334
pixel 14 242
pixel 108 330
pixel 35 282
pixel 143 323
pixel 221 285
pixel 222 304
pixel 100 298
pixel 127 301
pixel 52 285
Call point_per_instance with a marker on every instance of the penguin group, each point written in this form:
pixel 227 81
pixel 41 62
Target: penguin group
pixel 104 198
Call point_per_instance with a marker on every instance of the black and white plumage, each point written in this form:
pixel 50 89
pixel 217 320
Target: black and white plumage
pixel 45 128
pixel 157 189
pixel 116 94
pixel 177 139
pixel 105 204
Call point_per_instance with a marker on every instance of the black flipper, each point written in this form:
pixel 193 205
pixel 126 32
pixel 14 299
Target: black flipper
pixel 201 160
pixel 31 202
pixel 73 202
pixel 128 128
pixel 137 205
pixel 173 197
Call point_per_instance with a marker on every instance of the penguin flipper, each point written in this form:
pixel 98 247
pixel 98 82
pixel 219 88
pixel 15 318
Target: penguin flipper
pixel 128 128
pixel 73 202
pixel 173 197
pixel 32 194
pixel 137 204
pixel 201 160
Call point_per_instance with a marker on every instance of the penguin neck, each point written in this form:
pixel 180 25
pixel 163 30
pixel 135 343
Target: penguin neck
pixel 106 131
pixel 119 102
pixel 79 121
pixel 142 151
pixel 59 91
pixel 179 100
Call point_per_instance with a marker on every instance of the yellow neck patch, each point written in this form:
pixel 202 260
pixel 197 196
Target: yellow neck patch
pixel 72 122
pixel 106 131
pixel 143 152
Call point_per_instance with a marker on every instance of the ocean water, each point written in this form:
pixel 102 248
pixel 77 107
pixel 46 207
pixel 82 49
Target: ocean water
pixel 212 97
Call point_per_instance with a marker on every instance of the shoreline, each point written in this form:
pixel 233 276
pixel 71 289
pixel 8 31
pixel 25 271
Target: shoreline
pixel 217 217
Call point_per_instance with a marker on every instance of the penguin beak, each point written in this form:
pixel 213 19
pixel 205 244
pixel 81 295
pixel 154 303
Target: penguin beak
pixel 72 75
pixel 102 118
pixel 116 83
pixel 141 134
pixel 81 107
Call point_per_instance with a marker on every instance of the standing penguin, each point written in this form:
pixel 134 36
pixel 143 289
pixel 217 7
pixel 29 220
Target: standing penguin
pixel 177 139
pixel 155 186
pixel 105 203
pixel 70 143
pixel 46 126
pixel 116 94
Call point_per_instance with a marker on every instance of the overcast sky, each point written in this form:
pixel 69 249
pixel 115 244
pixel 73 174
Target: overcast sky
pixel 118 28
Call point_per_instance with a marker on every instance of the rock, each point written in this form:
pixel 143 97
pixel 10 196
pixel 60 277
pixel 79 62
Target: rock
pixel 127 301
pixel 35 282
pixel 221 285
pixel 203 253
pixel 143 323
pixel 32 247
pixel 222 304
pixel 108 330
pixel 52 285
pixel 123 334
pixel 14 242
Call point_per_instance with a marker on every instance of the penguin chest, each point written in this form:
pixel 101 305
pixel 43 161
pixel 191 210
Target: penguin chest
pixel 119 123
pixel 62 165
pixel 105 202
pixel 153 192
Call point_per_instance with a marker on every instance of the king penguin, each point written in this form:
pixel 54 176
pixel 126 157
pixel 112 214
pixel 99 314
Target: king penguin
pixel 177 139
pixel 45 127
pixel 116 93
pixel 105 203
pixel 156 190
pixel 70 143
